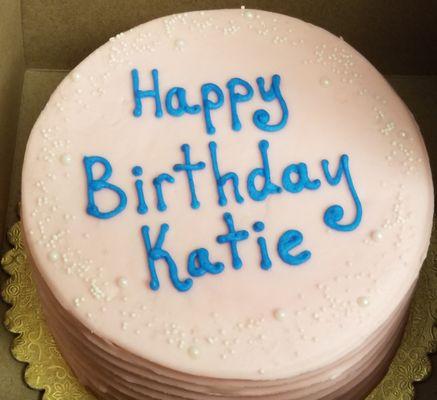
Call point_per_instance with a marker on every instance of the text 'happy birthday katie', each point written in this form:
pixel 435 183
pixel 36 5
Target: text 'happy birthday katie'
pixel 258 186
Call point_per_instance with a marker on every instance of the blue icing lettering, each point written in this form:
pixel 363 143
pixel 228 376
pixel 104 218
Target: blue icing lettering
pixel 264 172
pixel 334 214
pixel 157 182
pixel 303 181
pixel 157 253
pixel 180 95
pixel 233 237
pixel 189 168
pixel 142 205
pixel 222 179
pixel 236 97
pixel 139 94
pixel 213 98
pixel 95 185
pixel 199 264
pixel 287 242
pixel 261 118
pixel 209 104
pixel 265 263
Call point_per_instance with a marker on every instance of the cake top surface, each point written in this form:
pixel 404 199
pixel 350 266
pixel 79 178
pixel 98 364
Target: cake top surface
pixel 229 193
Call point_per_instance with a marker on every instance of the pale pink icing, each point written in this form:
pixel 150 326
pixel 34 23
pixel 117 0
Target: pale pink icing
pixel 338 104
pixel 103 368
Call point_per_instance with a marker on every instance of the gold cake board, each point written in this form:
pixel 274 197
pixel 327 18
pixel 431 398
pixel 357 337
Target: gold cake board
pixel 46 369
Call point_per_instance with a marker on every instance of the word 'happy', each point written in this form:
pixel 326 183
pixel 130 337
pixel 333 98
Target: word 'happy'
pixel 213 98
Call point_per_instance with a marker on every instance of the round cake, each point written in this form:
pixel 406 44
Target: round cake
pixel 226 204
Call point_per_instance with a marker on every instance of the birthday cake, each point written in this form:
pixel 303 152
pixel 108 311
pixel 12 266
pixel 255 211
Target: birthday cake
pixel 226 204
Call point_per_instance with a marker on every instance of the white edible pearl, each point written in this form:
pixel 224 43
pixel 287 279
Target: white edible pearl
pixel 75 76
pixel 279 314
pixel 179 43
pixel 324 81
pixel 53 256
pixel 193 352
pixel 376 235
pixel 65 159
pixel 122 282
pixel 363 301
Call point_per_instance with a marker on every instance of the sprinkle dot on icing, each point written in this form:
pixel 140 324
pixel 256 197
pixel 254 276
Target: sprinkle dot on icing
pixel 122 282
pixel 363 301
pixel 324 81
pixel 376 235
pixel 75 76
pixel 279 314
pixel 54 255
pixel 248 14
pixel 193 352
pixel 65 159
pixel 179 44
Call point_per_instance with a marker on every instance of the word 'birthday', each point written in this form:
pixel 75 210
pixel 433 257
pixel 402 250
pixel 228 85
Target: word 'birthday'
pixel 259 184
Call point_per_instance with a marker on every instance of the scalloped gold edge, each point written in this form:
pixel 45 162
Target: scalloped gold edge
pixel 46 370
